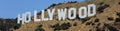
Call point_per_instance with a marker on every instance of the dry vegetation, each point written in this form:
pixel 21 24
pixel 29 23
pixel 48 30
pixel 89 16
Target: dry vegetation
pixel 106 19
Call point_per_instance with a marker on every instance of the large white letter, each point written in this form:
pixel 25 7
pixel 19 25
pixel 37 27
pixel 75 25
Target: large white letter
pixel 81 12
pixel 45 19
pixel 20 19
pixel 27 17
pixel 70 13
pixel 51 13
pixel 93 10
pixel 35 16
pixel 62 14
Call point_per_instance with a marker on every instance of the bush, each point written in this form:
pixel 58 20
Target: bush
pixel 96 20
pixel 111 28
pixel 118 14
pixel 110 18
pixel 101 8
pixel 39 28
pixel 52 6
pixel 75 24
pixel 63 26
pixel 85 19
pixel 119 3
pixel 117 20
pixel 72 2
pixel 6 24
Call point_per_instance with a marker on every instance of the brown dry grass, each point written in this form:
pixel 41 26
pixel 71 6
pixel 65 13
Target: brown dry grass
pixel 108 12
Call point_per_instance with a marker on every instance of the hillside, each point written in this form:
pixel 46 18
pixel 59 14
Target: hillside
pixel 8 24
pixel 106 19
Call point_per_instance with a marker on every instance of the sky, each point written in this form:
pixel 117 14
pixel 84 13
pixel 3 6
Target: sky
pixel 11 8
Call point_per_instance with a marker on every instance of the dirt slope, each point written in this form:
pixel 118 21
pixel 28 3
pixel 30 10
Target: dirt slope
pixel 106 19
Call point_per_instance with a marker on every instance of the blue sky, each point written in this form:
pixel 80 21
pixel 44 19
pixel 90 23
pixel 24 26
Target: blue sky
pixel 11 8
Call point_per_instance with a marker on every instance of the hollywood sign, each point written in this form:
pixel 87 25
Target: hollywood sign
pixel 83 12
